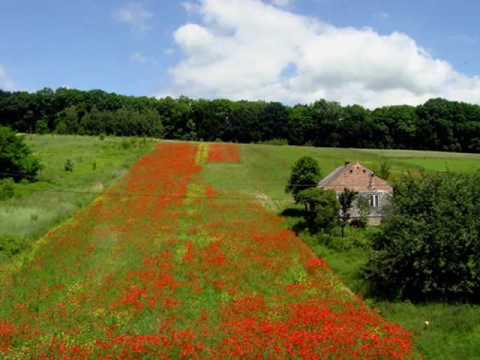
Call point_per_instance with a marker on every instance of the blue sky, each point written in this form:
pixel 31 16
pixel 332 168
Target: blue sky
pixel 158 47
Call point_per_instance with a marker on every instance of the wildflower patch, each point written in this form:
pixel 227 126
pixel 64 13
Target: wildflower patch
pixel 173 268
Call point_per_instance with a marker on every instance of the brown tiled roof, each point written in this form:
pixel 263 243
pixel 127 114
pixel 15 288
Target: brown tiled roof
pixel 354 177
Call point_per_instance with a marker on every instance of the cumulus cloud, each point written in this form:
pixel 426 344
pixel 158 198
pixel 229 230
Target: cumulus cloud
pixel 282 2
pixel 251 49
pixel 134 15
pixel 6 83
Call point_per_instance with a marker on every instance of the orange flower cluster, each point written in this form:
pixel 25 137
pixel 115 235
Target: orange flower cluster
pixel 224 153
pixel 7 331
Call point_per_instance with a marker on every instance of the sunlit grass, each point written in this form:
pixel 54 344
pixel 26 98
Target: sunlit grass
pixel 39 206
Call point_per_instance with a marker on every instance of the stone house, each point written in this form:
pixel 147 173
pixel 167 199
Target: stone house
pixel 360 179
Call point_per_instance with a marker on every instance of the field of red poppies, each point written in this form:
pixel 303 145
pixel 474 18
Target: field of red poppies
pixel 164 266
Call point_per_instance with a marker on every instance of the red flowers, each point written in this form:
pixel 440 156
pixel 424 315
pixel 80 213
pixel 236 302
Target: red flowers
pixel 165 266
pixel 7 331
pixel 223 153
pixel 315 264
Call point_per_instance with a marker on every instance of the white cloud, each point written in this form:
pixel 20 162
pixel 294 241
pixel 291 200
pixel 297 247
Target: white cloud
pixel 250 49
pixel 6 83
pixel 190 7
pixel 134 15
pixel 282 2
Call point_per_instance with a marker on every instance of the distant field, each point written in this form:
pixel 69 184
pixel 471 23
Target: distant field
pixel 265 168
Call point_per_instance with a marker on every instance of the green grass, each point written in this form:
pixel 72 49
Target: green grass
pixel 265 169
pixel 39 206
pixel 454 331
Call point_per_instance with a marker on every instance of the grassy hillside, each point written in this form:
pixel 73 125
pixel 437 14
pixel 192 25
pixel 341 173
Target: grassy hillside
pixel 181 243
pixel 58 194
pixel 454 331
pixel 265 169
pixel 167 265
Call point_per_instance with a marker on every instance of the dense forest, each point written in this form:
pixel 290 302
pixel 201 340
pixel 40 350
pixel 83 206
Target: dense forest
pixel 436 125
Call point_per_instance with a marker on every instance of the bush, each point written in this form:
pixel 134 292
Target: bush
pixel 364 210
pixel 429 246
pixel 321 209
pixel 305 175
pixel 11 245
pixel 68 165
pixel 16 159
pixel 7 189
pixel 384 171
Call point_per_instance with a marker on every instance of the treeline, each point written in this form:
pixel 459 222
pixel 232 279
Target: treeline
pixel 437 125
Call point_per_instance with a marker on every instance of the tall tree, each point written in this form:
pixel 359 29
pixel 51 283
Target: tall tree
pixel 305 174
pixel 429 244
pixel 16 159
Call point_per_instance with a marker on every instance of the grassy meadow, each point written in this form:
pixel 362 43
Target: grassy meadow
pixel 261 174
pixel 454 331
pixel 39 206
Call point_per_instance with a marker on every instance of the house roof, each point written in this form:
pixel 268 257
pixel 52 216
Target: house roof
pixel 355 177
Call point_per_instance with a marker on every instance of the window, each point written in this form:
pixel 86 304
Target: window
pixel 373 200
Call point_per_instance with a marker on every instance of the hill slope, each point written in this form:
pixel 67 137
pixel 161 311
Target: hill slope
pixel 171 262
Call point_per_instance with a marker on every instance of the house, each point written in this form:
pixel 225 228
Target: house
pixel 358 178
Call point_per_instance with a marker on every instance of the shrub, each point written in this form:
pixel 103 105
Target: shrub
pixel 69 165
pixel 16 159
pixel 321 209
pixel 384 171
pixel 7 189
pixel 42 126
pixel 11 245
pixel 363 206
pixel 346 199
pixel 305 175
pixel 429 246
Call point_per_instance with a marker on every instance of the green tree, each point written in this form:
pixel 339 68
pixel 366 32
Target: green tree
pixel 321 209
pixel 428 247
pixel 305 174
pixel 42 126
pixel 16 159
pixel 346 200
